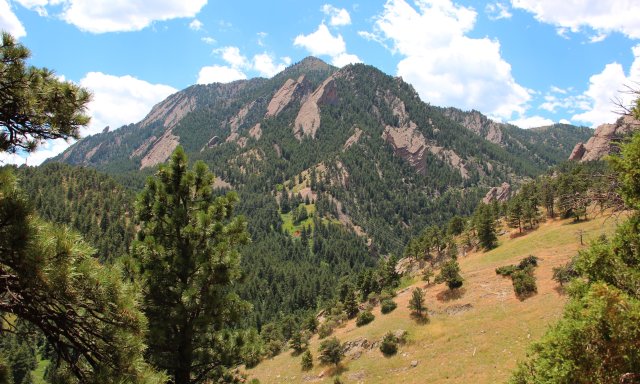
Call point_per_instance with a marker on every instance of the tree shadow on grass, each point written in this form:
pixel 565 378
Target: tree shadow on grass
pixel 451 294
pixel 420 318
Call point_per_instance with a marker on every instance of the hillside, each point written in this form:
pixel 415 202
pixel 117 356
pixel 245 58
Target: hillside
pixel 477 337
pixel 357 138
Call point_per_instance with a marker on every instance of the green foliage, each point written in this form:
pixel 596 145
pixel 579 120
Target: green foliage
pixel 326 329
pixel 91 203
pixel 389 344
pixel 187 250
pixel 387 306
pixel 299 341
pixel 5 371
pixel 306 362
pixel 595 341
pixel 484 222
pixel 364 318
pixel 524 283
pixel 627 165
pixel 506 270
pixel 35 105
pixel 450 274
pixel 351 304
pixel 565 273
pixel 416 303
pixel 330 351
pixel 85 310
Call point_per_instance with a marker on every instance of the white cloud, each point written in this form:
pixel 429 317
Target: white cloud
pixel 564 121
pixel 237 64
pixel 531 122
pixel 263 63
pixel 208 40
pixel 606 89
pixel 602 16
pixel 261 37
pixel 338 16
pixel 120 100
pixel 117 100
pixel 233 56
pixel 219 74
pixel 196 25
pixel 322 42
pixel 497 11
pixel 444 65
pixel 100 16
pixel 9 21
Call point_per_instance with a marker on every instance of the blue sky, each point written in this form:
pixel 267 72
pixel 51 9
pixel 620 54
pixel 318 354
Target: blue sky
pixel 526 62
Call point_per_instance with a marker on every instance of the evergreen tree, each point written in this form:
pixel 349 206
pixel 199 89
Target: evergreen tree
pixel 187 249
pixel 450 274
pixel 486 227
pixel 416 303
pixel 306 362
pixel 351 304
pixel 35 105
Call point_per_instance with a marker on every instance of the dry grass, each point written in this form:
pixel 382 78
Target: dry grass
pixel 480 343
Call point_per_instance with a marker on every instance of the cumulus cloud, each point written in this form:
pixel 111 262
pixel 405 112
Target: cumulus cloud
pixel 444 65
pixel 9 21
pixel 237 63
pixel 100 16
pixel 48 149
pixel 338 16
pixel 322 42
pixel 497 11
pixel 120 100
pixel 602 16
pixel 531 122
pixel 605 90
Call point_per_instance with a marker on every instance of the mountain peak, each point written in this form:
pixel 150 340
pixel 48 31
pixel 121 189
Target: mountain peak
pixel 311 63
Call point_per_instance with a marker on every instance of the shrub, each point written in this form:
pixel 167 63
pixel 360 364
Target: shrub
pixel 524 283
pixel 389 344
pixel 325 329
pixel 388 306
pixel 565 273
pixel 506 270
pixel 529 261
pixel 364 318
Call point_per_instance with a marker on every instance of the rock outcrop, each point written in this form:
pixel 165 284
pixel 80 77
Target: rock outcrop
pixel 499 194
pixel 283 96
pixel 477 123
pixel 308 119
pixel 604 140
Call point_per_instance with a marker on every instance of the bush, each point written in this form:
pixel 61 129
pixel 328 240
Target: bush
pixel 325 329
pixel 529 261
pixel 565 273
pixel 388 306
pixel 524 283
pixel 506 270
pixel 389 344
pixel 364 318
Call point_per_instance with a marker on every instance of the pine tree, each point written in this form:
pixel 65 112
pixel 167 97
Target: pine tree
pixel 416 303
pixel 450 274
pixel 306 362
pixel 35 105
pixel 187 249
pixel 351 304
pixel 486 227
pixel 331 351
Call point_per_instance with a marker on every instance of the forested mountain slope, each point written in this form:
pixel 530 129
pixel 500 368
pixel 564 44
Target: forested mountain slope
pixel 357 138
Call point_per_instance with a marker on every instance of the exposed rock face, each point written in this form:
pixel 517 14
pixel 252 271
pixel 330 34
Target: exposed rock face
pixel 256 132
pixel 284 96
pixel 499 194
pixel 603 141
pixel 161 150
pixel 478 124
pixel 352 140
pixel 169 112
pixel 578 152
pixel 410 144
pixel 308 120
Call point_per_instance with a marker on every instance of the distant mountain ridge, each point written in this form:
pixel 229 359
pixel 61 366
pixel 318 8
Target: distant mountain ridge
pixel 354 135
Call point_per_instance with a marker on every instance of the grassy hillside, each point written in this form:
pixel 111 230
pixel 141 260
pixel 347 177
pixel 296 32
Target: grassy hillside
pixel 477 337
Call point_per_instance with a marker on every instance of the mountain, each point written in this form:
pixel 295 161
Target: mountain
pixel 382 161
pixel 605 139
